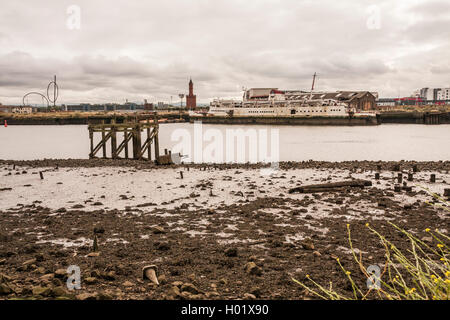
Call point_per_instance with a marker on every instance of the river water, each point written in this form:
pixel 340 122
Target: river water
pixel 211 143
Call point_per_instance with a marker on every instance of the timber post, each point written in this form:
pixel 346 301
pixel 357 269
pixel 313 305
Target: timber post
pixel 132 129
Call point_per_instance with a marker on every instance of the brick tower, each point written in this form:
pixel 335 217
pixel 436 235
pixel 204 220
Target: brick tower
pixel 191 99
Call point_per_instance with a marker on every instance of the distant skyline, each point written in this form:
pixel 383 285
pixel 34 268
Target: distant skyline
pixel 104 51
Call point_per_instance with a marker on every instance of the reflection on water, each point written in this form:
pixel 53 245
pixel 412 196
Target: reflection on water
pixel 296 143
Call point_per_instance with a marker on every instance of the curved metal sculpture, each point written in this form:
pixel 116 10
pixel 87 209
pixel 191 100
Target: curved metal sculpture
pixel 47 98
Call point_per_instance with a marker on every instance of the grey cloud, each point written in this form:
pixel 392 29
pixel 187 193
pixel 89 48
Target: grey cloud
pixel 149 49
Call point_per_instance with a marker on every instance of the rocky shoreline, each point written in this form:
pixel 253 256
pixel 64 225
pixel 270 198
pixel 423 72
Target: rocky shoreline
pixel 214 232
pixel 284 165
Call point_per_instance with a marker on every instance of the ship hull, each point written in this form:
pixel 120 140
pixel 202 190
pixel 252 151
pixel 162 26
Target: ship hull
pixel 312 121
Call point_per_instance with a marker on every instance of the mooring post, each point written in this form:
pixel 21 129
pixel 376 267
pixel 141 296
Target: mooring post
pixel 149 143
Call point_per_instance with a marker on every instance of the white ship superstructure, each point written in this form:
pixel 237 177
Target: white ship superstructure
pixel 268 102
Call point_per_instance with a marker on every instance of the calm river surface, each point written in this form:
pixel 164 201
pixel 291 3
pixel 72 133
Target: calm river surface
pixel 295 143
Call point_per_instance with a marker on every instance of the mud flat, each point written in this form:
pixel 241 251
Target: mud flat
pixel 220 232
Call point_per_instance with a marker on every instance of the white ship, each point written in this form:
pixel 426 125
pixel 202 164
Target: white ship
pixel 273 106
pixel 282 104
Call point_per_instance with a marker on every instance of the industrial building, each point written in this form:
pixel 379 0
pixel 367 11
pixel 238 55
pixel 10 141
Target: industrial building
pixel 360 100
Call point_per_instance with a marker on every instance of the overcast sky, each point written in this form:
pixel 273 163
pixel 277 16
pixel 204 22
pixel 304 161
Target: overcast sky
pixel 139 50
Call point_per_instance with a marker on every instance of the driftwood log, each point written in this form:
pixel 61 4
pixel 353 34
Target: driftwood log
pixel 331 187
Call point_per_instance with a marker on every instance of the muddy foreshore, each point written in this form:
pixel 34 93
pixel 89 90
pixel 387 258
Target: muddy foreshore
pixel 285 165
pixel 217 232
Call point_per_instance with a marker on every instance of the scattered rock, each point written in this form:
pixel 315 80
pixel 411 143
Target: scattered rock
pixel 307 245
pixel 253 269
pixel 162 279
pixel 231 252
pixel 87 296
pixel 175 291
pixel 93 254
pixel 158 230
pixel 90 280
pixel 189 287
pixel 249 296
pixel 61 273
pixel 58 291
pixel 5 289
pixel 427 239
pixel 99 230
pixel 42 291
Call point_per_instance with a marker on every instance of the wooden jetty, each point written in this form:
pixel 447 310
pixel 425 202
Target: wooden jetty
pixel 131 131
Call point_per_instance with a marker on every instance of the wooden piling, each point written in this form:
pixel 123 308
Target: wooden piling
pixel 125 139
pixel 113 140
pixel 432 178
pixel 103 139
pixel 131 131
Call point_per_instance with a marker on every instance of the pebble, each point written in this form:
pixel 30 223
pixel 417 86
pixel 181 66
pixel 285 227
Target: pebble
pixel 253 269
pixel 249 296
pixel 231 252
pixel 189 287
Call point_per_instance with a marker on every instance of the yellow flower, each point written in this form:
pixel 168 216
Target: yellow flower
pixel 440 245
pixel 447 274
pixel 307 275
pixel 427 229
pixel 433 276
pixel 367 224
pixel 337 259
pixel 348 273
